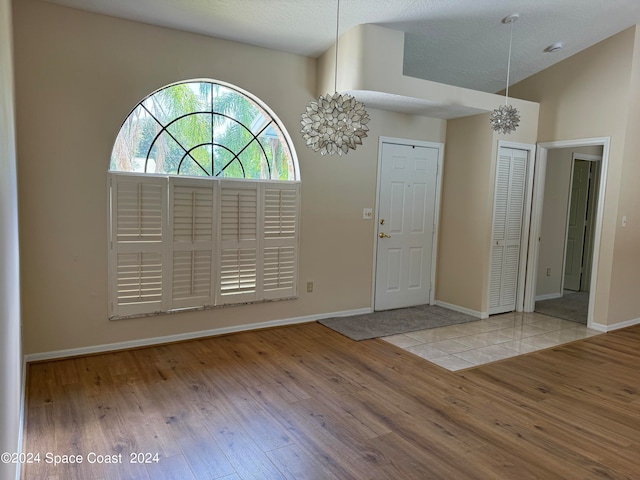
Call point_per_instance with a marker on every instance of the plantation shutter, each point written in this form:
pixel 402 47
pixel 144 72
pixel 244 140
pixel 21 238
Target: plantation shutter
pixel 280 246
pixel 179 243
pixel 507 229
pixel 138 225
pixel 192 212
pixel 238 233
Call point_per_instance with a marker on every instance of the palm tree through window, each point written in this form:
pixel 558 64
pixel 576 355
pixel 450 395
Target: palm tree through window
pixel 203 128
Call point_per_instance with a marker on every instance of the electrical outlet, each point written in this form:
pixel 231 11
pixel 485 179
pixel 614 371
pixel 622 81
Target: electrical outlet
pixel 309 287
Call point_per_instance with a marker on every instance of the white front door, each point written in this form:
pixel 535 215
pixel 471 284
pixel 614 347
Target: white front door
pixel 406 216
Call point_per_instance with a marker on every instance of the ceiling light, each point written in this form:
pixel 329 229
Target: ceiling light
pixel 334 123
pixel 506 118
pixel 554 47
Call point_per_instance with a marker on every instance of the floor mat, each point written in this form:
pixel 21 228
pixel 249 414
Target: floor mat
pixel 394 322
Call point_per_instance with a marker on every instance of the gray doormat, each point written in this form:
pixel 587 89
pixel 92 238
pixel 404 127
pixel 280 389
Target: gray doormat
pixel 394 322
pixel 572 306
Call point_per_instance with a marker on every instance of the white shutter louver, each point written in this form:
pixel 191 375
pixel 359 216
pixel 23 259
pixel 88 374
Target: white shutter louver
pixel 180 243
pixel 192 221
pixel 280 240
pixel 137 233
pixel 511 174
pixel 238 225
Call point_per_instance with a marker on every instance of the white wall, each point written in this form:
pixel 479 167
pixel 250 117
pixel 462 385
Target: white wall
pixel 10 340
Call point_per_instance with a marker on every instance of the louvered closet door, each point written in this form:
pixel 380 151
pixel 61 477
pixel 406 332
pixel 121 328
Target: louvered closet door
pixel 511 174
pixel 138 209
pixel 280 250
pixel 192 211
pixel 238 233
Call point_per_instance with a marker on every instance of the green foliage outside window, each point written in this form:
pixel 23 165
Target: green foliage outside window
pixel 202 128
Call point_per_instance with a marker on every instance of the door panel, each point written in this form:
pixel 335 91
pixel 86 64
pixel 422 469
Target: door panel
pixel 511 174
pixel 577 225
pixel 406 210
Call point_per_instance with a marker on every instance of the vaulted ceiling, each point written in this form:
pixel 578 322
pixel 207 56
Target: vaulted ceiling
pixel 457 42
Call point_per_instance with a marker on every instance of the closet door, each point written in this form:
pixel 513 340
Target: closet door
pixel 508 209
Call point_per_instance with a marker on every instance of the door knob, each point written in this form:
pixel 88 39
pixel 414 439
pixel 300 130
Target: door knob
pixel 384 235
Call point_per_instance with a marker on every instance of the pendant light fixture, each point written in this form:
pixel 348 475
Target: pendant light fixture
pixel 506 118
pixel 334 123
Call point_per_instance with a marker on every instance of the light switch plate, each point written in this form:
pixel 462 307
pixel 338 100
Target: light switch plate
pixel 367 213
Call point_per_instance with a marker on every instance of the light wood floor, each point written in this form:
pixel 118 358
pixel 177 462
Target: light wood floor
pixel 304 402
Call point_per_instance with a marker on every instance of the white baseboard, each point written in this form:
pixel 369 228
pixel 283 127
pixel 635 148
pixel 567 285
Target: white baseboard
pixel 468 311
pixel 615 326
pixel 146 342
pixel 548 296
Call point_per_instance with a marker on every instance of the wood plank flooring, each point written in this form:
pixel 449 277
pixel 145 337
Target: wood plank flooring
pixel 304 402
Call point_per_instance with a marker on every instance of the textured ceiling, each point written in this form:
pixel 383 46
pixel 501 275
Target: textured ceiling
pixel 457 42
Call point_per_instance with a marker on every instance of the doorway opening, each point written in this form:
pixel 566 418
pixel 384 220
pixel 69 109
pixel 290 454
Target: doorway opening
pixel 566 228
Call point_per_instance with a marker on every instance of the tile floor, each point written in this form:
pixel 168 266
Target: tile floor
pixel 457 347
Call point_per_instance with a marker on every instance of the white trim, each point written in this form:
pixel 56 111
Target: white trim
pixel 608 328
pixel 468 311
pixel 536 219
pixel 585 156
pixel 436 219
pixel 548 296
pixel 566 224
pixel 147 342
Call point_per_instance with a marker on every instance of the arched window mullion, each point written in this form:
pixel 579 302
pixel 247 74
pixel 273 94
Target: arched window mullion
pixel 223 115
pixel 165 128
pixel 188 153
pixel 237 155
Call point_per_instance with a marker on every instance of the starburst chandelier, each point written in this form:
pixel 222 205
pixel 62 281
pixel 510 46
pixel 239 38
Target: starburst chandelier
pixel 334 123
pixel 506 118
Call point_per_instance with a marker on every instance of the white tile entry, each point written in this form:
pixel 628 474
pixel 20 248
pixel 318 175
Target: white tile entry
pixel 457 347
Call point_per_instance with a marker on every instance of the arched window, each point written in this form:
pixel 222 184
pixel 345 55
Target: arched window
pixel 204 203
pixel 204 128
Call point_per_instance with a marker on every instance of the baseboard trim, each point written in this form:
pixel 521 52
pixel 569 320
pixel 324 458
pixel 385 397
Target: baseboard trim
pixel 615 326
pixel 147 342
pixel 548 296
pixel 468 311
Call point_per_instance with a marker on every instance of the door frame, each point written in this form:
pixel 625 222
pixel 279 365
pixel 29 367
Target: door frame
pixel 526 220
pixel 587 158
pixel 436 218
pixel 536 218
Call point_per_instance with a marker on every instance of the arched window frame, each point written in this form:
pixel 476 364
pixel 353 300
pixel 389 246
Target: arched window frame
pixel 186 242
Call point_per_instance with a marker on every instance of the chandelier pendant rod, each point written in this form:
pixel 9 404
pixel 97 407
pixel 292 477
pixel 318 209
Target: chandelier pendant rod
pixel 335 73
pixel 508 62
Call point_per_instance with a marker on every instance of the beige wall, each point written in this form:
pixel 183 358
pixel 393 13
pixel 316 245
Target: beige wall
pixel 467 206
pixel 591 94
pixel 10 339
pixel 553 225
pixel 624 302
pixel 78 75
pixel 466 213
